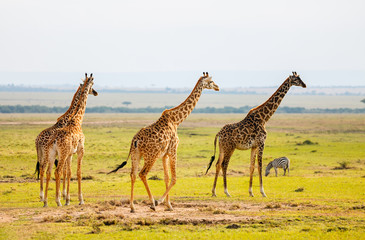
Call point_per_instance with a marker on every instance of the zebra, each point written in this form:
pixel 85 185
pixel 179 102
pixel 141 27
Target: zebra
pixel 282 162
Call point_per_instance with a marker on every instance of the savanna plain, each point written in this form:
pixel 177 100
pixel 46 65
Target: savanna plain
pixel 323 196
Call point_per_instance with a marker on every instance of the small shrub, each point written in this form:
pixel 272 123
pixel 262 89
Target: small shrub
pixel 301 189
pixel 64 218
pixel 270 206
pixel 110 222
pixel 343 165
pixel 48 219
pixel 341 229
pixel 233 226
pixel 234 207
pixel 87 177
pixel 8 176
pixel 307 142
pixel 7 192
pixel 358 207
pixel 154 177
pixel 144 222
pixel 96 228
pixel 219 211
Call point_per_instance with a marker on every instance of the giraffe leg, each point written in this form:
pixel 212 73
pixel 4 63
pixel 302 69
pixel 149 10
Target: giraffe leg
pixel 227 157
pixel 252 168
pixel 80 155
pixel 135 162
pixel 49 156
pixel 217 170
pixel 48 177
pixel 63 155
pixel 69 172
pixel 148 163
pixel 172 153
pixel 41 181
pixel 64 182
pixel 166 179
pixel 173 178
pixel 259 158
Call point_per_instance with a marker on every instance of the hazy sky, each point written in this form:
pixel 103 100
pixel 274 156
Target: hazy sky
pixel 168 36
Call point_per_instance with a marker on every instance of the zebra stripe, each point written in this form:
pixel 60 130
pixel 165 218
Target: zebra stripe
pixel 282 162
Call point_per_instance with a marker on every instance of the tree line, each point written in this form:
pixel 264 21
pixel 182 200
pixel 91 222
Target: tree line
pixel 104 109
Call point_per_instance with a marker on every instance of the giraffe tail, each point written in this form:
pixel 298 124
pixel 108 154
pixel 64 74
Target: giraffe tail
pixel 125 162
pixel 213 157
pixel 39 153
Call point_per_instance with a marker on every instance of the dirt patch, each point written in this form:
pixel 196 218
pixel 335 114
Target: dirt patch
pixel 113 212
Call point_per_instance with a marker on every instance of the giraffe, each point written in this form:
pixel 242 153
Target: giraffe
pixel 250 133
pixel 44 137
pixel 160 140
pixel 65 142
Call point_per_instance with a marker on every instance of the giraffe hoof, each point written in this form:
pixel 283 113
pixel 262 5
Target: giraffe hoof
pixel 45 205
pixel 81 203
pixel 157 203
pixel 153 208
pixel 214 195
pixel 133 211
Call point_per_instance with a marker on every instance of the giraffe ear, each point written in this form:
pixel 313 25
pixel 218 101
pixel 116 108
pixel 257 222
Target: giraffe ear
pixel 85 76
pixel 91 75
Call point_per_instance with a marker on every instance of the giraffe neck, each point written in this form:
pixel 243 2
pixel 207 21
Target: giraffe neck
pixel 63 120
pixel 268 108
pixel 79 112
pixel 181 112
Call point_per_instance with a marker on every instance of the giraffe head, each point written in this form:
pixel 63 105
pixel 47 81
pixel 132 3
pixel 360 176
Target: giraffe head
pixel 296 81
pixel 89 80
pixel 207 82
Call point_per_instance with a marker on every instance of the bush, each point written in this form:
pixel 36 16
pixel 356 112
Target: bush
pixel 343 165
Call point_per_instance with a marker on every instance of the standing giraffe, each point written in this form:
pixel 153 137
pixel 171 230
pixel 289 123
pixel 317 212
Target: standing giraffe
pixel 67 141
pixel 46 135
pixel 160 140
pixel 249 133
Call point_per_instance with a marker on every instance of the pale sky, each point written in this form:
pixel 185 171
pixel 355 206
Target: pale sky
pixel 182 36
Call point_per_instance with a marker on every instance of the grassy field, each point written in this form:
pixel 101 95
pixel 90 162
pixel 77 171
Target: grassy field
pixel 324 196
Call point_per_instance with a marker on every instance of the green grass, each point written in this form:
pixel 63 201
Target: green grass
pixel 330 204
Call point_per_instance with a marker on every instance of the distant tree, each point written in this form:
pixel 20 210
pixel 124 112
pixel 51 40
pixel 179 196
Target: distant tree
pixel 363 100
pixel 126 103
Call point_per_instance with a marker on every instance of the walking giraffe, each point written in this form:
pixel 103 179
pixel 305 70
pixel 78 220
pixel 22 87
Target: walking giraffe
pixel 67 141
pixel 46 135
pixel 249 133
pixel 160 140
